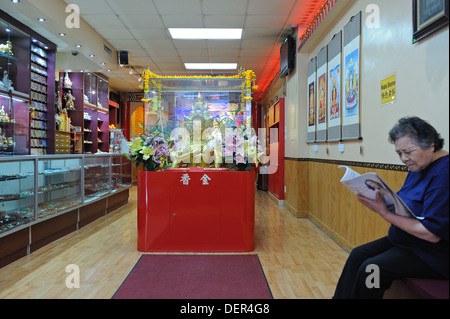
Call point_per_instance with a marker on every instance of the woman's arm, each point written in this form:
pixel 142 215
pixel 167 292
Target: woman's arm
pixel 409 225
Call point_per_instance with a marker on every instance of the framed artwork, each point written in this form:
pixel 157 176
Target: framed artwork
pixel 351 79
pixel 428 17
pixel 311 101
pixel 334 88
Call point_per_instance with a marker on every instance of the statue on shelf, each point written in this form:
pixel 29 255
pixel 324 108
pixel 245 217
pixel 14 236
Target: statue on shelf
pixel 7 48
pixel 69 102
pixel 199 112
pixel 6 82
pixel 3 115
pixel 67 81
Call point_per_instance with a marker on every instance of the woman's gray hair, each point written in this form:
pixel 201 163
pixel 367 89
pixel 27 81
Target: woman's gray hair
pixel 422 133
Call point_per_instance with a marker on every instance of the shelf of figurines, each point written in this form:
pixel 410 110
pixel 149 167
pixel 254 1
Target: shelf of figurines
pixel 35 188
pixel 6 132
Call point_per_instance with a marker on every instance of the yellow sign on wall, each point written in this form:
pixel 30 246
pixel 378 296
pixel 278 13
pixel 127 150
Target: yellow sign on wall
pixel 388 90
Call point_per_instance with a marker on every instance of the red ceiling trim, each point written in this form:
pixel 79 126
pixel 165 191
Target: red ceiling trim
pixel 315 21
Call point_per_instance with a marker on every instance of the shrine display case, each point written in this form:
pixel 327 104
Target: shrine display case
pixel 207 110
pixel 197 191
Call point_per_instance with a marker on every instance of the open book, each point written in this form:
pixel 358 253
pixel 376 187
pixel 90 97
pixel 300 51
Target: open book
pixel 369 184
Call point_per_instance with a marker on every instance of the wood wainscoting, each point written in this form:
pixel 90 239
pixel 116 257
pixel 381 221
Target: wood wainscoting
pixel 313 190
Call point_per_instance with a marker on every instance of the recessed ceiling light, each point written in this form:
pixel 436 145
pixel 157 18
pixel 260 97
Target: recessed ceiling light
pixel 41 19
pixel 78 45
pixel 205 33
pixel 62 34
pixel 91 55
pixel 211 66
pixel 15 1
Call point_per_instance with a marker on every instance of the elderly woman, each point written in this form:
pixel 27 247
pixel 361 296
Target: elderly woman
pixel 413 247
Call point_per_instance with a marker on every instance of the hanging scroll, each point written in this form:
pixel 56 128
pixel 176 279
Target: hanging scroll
pixel 311 102
pixel 334 88
pixel 321 135
pixel 351 105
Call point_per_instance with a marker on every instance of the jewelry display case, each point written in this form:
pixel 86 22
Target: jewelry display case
pixel 17 189
pixel 59 184
pixel 121 177
pixel 36 188
pixel 97 176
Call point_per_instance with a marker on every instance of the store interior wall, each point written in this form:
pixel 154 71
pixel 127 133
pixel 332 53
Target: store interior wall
pixel 312 187
pixel 422 81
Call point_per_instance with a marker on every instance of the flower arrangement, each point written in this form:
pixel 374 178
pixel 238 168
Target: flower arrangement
pixel 224 141
pixel 242 148
pixel 150 149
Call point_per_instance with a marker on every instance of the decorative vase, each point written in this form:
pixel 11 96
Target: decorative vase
pixel 67 81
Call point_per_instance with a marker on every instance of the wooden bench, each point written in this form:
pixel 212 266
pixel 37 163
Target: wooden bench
pixel 418 288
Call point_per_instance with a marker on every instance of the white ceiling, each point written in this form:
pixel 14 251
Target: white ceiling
pixel 140 27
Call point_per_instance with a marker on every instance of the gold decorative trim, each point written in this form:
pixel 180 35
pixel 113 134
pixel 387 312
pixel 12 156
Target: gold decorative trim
pixel 389 167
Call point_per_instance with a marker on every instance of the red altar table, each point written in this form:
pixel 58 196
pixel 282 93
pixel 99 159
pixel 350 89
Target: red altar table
pixel 196 210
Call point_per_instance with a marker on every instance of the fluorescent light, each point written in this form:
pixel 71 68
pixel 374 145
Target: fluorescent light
pixel 205 33
pixel 211 66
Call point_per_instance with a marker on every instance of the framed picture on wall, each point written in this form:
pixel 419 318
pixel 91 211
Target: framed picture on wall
pixel 428 17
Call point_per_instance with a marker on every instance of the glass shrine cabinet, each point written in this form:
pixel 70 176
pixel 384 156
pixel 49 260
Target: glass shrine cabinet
pixel 211 110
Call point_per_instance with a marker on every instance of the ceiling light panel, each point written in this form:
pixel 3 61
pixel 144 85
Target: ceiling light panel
pixel 206 33
pixel 211 66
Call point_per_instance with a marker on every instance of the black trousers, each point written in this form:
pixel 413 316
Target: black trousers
pixel 371 268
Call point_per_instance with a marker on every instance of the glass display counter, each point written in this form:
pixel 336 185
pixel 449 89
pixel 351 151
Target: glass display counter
pixel 59 184
pixel 121 177
pixel 97 176
pixel 36 188
pixel 17 189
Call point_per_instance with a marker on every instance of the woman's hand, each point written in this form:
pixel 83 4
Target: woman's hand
pixel 378 205
pixel 410 225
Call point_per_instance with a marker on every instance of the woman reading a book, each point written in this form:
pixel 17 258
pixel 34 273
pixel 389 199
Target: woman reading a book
pixel 414 247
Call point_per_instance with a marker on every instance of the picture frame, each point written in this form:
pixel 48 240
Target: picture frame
pixel 428 17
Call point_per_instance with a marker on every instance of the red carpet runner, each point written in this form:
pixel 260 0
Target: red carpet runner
pixel 195 277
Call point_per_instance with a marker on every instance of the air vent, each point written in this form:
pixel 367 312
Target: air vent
pixel 107 49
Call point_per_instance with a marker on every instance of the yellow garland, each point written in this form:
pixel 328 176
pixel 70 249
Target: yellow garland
pixel 249 75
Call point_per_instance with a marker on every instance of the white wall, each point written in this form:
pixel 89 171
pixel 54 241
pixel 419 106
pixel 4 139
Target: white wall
pixel 422 81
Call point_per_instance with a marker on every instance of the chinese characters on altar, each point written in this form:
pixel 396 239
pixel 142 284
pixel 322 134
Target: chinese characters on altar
pixel 185 179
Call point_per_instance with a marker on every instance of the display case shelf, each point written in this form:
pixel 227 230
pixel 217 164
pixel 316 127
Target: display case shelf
pixel 27 67
pixel 90 113
pixel 17 189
